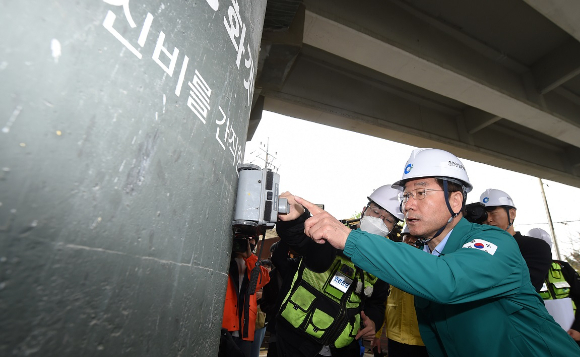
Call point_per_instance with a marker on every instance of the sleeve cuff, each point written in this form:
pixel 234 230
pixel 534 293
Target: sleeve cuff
pixel 283 226
pixel 351 241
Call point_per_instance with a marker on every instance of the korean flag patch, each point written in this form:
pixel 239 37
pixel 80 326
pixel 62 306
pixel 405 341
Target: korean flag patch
pixel 481 244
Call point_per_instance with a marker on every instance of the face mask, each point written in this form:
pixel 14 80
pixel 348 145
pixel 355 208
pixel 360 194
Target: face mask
pixel 374 225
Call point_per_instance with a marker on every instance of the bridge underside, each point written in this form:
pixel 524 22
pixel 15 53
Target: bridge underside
pixel 492 81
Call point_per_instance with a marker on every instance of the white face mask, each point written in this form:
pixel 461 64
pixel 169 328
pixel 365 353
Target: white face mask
pixel 374 225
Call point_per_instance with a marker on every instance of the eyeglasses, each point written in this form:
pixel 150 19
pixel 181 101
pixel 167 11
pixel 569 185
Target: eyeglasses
pixel 419 194
pixel 381 213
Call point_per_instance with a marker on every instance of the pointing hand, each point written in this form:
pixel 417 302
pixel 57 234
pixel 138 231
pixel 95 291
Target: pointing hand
pixel 323 227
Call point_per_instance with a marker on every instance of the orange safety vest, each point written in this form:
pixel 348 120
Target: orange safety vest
pixel 231 319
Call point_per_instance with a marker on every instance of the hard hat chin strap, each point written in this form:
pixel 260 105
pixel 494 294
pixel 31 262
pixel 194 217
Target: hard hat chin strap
pixel 453 214
pixel 510 222
pixel 423 241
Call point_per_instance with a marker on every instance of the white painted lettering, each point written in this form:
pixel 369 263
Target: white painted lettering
pixel 181 76
pixel 217 133
pixel 172 57
pixel 249 84
pixel 145 30
pixel 108 24
pixel 214 4
pixel 233 24
pixel 199 96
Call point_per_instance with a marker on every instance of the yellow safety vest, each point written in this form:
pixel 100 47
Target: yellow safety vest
pixel 401 319
pixel 555 286
pixel 326 306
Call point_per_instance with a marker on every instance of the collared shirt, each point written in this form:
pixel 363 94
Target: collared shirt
pixel 439 248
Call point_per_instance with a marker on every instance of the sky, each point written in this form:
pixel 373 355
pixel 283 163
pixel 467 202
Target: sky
pixel 340 168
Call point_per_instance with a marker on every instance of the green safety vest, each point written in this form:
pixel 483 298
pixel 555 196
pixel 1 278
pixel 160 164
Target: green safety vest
pixel 326 306
pixel 555 286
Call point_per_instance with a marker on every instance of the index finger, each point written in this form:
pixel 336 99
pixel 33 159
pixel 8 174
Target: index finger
pixel 314 209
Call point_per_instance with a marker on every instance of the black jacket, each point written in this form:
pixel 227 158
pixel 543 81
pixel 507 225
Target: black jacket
pixel 538 257
pixel 318 258
pixel 279 285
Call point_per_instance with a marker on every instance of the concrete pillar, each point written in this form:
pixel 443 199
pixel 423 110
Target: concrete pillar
pixel 121 125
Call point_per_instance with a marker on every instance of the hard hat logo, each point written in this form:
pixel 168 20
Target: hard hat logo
pixel 485 199
pixel 455 164
pixel 408 168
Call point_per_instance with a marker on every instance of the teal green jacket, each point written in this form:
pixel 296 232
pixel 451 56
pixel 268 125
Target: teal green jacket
pixel 469 302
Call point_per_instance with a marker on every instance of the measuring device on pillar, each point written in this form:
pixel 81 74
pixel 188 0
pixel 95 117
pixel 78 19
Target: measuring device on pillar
pixel 257 208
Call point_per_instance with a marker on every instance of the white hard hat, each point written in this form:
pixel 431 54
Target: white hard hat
pixel 388 198
pixel 434 163
pixel 492 197
pixel 541 234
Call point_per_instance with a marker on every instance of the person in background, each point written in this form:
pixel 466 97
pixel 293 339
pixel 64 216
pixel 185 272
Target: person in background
pixel 473 295
pixel 240 307
pixel 401 326
pixel 562 282
pixel 332 302
pixel 501 213
pixel 285 263
pixel 260 329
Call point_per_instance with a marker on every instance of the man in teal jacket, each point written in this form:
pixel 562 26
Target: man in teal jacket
pixel 473 292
